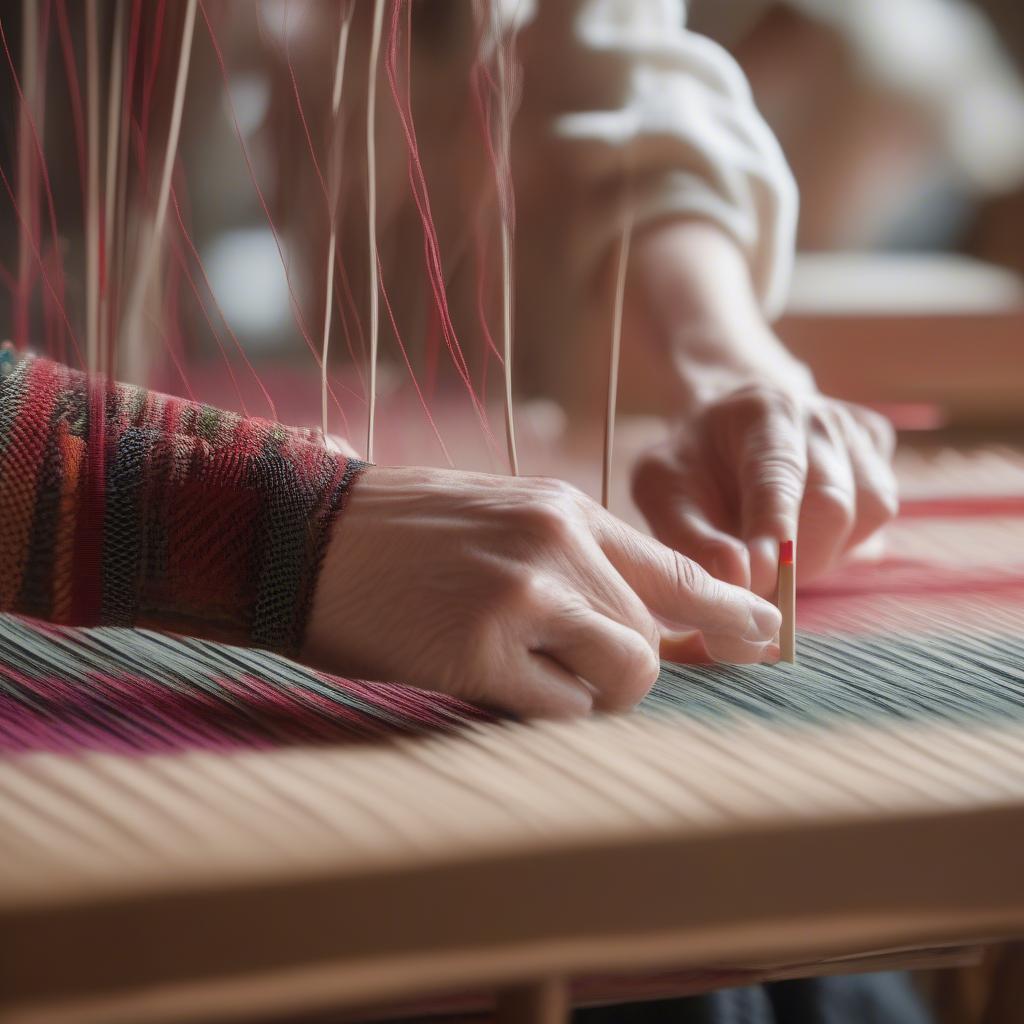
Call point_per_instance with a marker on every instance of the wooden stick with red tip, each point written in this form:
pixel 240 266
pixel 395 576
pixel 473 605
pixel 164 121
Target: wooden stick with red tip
pixel 787 601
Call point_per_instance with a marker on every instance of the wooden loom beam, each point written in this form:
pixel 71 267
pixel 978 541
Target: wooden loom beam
pixel 541 1002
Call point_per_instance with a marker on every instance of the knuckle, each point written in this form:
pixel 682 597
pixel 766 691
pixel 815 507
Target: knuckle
pixel 782 403
pixel 879 424
pixel 774 484
pixel 781 470
pixel 879 429
pixel 547 521
pixel 688 575
pixel 525 591
pixel 830 504
pixel 775 457
pixel 758 402
pixel 556 490
pixel 822 424
pixel 513 595
pixel 877 506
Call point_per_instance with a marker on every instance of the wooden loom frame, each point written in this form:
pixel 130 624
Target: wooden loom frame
pixel 215 887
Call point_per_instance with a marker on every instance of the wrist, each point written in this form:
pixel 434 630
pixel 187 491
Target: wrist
pixel 710 361
pixel 691 297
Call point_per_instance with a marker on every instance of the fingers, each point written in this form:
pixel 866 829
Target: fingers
pixel 877 427
pixel 684 648
pixel 681 593
pixel 771 470
pixel 869 439
pixel 829 508
pixel 616 662
pixel 682 501
pixel 851 488
pixel 535 685
pixel 819 472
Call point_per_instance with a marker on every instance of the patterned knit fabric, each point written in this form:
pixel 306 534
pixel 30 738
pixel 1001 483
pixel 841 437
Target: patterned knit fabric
pixel 123 507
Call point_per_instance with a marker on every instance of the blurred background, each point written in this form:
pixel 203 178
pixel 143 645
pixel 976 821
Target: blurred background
pixel 903 121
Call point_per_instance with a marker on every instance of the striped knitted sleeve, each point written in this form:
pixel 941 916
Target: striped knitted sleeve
pixel 119 506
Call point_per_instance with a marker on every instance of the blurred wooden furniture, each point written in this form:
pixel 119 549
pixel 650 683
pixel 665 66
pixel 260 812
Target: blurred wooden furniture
pixel 891 330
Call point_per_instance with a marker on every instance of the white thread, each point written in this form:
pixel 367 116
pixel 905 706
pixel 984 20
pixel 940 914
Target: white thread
pixel 339 74
pixel 613 367
pixel 371 207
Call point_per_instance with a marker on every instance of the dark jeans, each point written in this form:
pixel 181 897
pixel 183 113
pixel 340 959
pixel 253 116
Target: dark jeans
pixel 854 999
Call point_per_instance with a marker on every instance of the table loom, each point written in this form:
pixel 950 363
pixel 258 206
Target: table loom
pixel 191 832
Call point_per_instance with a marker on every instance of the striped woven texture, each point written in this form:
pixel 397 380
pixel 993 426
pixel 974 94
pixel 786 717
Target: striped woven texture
pixel 131 691
pixel 850 679
pixel 125 691
pixel 936 633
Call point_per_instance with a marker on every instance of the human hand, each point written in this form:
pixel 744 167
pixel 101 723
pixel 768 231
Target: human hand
pixel 522 594
pixel 763 464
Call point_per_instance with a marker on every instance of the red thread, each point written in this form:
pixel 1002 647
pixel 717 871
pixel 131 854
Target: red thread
pixel 431 244
pixel 296 308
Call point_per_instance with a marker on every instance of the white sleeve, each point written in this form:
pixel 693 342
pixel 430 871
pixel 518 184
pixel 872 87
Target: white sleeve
pixel 619 90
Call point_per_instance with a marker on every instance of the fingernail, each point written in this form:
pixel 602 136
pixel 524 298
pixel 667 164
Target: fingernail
pixel 765 621
pixel 772 654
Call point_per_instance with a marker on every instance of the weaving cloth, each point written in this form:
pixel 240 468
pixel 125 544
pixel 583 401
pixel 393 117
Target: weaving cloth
pixel 135 692
pixel 158 796
pixel 898 638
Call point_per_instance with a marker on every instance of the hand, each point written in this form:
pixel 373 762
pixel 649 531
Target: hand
pixel 764 464
pixel 521 594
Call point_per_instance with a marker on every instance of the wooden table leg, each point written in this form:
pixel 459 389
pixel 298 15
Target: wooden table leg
pixel 545 1001
pixel 1006 1001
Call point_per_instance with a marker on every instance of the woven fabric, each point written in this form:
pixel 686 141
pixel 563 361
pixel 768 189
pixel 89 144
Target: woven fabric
pixel 158 512
pixel 123 691
pixel 959 678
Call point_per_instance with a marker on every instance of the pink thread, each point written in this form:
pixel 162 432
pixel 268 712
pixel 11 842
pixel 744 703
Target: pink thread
pixel 408 365
pixel 432 249
pixel 296 309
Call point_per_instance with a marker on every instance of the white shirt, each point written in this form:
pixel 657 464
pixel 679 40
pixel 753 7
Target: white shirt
pixel 618 94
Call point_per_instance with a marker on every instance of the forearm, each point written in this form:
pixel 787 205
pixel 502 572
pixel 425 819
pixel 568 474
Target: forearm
pixel 165 514
pixel 691 296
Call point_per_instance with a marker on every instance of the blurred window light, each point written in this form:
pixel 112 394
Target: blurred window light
pixel 246 275
pixel 286 19
pixel 250 100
